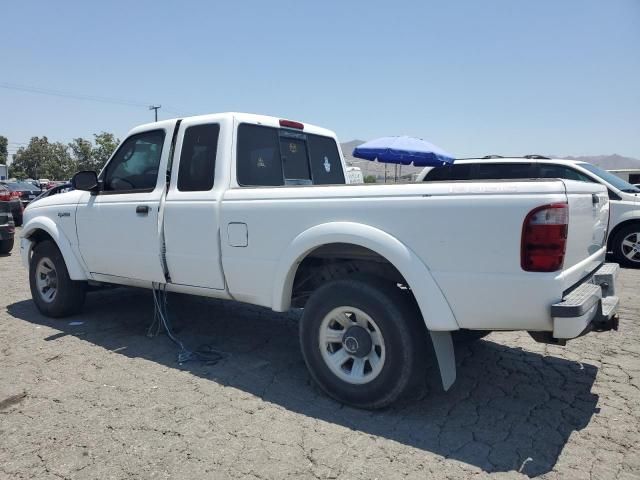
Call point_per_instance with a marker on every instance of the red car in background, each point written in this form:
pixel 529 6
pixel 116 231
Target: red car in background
pixel 12 199
pixel 25 192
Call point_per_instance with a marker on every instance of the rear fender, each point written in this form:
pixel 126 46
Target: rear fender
pixel 74 266
pixel 433 305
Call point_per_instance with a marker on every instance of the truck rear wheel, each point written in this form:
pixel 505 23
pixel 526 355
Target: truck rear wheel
pixel 626 246
pixel 364 342
pixel 53 292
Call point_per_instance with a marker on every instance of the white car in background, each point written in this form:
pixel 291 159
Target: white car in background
pixel 624 221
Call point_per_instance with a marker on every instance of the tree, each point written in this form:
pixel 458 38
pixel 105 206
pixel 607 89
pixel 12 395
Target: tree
pixel 3 149
pixel 105 145
pixel 88 156
pixel 43 159
pixel 370 179
pixel 82 153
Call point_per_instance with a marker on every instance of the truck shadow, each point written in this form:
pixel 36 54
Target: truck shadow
pixel 510 409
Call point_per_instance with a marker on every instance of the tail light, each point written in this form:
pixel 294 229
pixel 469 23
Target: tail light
pixel 544 238
pixel 16 195
pixel 5 196
pixel 291 124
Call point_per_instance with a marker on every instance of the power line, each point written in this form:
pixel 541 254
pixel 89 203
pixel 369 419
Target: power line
pixel 91 98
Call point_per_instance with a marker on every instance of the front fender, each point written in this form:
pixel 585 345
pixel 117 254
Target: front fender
pixel 433 305
pixel 75 268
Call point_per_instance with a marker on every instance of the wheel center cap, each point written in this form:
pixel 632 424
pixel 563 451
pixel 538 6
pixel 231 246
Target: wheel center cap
pixel 357 341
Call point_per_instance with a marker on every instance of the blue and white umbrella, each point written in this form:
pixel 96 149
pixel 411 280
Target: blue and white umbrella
pixel 403 151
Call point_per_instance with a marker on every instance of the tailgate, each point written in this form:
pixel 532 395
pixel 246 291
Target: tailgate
pixel 587 233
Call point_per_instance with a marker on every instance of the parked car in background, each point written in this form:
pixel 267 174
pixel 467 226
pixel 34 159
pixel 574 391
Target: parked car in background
pixel 33 182
pixel 624 222
pixel 44 183
pixel 7 228
pixel 13 200
pixel 62 188
pixel 25 191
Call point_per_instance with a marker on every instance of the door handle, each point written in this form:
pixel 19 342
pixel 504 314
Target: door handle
pixel 142 209
pixel 595 199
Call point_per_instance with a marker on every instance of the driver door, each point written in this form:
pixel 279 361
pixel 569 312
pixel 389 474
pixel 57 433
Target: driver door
pixel 117 228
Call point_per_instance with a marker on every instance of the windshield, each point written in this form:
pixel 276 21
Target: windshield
pixel 611 178
pixel 22 186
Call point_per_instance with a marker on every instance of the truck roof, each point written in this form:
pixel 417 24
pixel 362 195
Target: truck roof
pixel 239 117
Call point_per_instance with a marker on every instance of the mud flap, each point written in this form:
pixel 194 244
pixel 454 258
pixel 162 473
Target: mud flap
pixel 443 347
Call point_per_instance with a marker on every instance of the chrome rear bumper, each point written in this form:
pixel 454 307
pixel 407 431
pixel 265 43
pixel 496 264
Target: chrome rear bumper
pixel 592 306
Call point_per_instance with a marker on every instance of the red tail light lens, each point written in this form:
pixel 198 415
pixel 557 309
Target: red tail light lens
pixel 544 238
pixel 5 196
pixel 291 124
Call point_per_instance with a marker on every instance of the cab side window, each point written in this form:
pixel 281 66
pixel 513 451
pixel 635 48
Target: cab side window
pixel 198 158
pixel 134 167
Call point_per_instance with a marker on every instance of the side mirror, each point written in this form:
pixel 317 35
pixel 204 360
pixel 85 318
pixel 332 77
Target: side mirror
pixel 86 180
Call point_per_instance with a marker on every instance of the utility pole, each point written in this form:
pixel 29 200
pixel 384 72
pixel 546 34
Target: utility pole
pixel 155 109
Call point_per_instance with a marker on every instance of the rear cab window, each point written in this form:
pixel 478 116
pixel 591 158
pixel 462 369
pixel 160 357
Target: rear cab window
pixel 268 156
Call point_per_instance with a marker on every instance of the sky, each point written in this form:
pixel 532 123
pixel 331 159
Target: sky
pixel 475 77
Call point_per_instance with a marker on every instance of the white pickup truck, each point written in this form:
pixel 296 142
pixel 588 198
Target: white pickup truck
pixel 256 209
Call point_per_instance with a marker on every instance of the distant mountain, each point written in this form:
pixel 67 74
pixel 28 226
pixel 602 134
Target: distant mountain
pixel 609 162
pixel 347 148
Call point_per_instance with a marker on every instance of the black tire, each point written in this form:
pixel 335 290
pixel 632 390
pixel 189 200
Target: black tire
pixel 69 295
pixel 400 325
pixel 620 250
pixel 6 246
pixel 465 337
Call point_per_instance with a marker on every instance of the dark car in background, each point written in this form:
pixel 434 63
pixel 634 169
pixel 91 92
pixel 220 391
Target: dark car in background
pixel 14 203
pixel 7 228
pixel 61 188
pixel 27 192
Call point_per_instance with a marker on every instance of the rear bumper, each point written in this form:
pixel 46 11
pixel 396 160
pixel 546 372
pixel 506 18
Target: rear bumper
pixel 592 306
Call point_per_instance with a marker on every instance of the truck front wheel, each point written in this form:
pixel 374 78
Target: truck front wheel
pixel 53 292
pixel 364 342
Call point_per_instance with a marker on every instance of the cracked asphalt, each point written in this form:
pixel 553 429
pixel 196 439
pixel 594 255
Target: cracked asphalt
pixel 99 399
